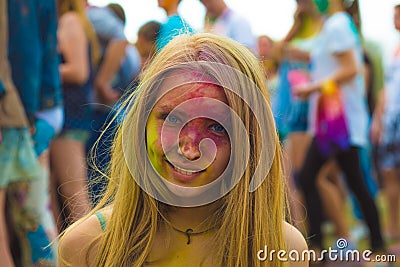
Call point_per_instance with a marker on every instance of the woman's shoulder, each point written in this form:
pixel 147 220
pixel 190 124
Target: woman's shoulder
pixel 78 243
pixel 293 237
pixel 70 18
pixel 294 242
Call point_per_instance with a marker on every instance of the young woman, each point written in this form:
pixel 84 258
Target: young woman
pixel 196 175
pixel 174 24
pixel 291 112
pixel 79 49
pixel 385 133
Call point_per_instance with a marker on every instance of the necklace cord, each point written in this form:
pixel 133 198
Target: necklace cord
pixel 189 232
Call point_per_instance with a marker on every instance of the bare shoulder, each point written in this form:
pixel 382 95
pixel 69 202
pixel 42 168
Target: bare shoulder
pixel 70 26
pixel 295 241
pixel 70 18
pixel 77 247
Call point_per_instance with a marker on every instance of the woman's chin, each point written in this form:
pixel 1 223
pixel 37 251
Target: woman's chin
pixel 187 190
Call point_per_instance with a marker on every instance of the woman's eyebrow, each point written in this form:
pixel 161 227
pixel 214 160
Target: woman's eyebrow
pixel 168 109
pixel 163 108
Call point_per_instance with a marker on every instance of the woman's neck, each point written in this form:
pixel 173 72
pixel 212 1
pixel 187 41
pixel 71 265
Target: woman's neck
pixel 196 218
pixel 335 7
pixel 172 11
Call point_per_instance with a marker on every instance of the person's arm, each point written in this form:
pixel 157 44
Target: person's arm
pixel 283 50
pixel 295 242
pixel 74 246
pixel 347 70
pixel 297 21
pixel 73 46
pixel 115 54
pixel 110 29
pixel 348 67
pixel 376 124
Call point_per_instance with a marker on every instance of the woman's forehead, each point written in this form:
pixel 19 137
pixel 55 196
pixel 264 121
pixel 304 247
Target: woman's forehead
pixel 183 85
pixel 193 90
pixel 193 100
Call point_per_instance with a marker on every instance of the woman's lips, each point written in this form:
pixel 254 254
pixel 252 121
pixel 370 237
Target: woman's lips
pixel 184 174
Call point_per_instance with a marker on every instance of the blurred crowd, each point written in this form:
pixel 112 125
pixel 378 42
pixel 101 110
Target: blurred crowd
pixel 65 67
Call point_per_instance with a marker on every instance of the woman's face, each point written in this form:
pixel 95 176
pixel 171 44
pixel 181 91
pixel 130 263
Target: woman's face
pixel 186 142
pixel 166 4
pixel 306 6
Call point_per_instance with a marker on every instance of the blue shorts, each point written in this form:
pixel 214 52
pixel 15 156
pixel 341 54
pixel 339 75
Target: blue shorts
pixel 298 116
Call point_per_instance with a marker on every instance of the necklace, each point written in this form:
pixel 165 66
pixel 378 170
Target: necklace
pixel 189 232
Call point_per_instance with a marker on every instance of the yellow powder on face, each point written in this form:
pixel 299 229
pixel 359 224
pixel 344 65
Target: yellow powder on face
pixel 152 137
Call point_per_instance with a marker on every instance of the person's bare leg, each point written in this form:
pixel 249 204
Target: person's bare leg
pixel 47 215
pixel 54 198
pixel 332 198
pixel 391 191
pixel 297 210
pixel 300 142
pixel 5 253
pixel 297 146
pixel 68 158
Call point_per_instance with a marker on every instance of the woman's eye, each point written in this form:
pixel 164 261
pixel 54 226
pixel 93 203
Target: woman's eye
pixel 173 119
pixel 217 128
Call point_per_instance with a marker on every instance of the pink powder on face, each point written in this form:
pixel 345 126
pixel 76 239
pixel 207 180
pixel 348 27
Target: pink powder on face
pixel 196 76
pixel 198 129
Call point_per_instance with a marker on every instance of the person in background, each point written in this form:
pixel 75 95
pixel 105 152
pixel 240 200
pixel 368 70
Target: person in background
pixel 385 134
pixel 109 29
pixel 337 69
pixel 224 21
pixel 100 142
pixel 119 64
pixel 33 66
pixel 174 25
pixel 80 52
pixel 290 112
pixel 265 48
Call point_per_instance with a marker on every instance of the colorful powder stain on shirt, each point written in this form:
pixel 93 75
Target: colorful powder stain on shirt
pixel 331 132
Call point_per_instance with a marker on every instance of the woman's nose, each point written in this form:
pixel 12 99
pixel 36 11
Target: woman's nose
pixel 189 146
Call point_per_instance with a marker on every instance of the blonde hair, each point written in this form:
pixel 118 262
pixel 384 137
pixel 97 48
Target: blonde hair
pixel 246 221
pixel 78 6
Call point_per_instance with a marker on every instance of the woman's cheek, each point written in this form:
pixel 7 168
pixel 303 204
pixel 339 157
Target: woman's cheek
pixel 153 148
pixel 169 138
pixel 223 147
pixel 151 133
